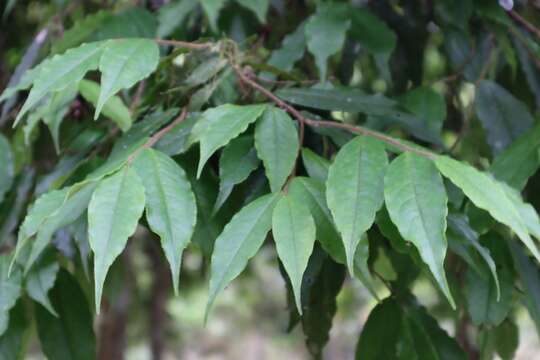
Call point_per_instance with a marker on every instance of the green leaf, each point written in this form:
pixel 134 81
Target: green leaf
pixel 292 49
pixel 113 109
pixel 61 71
pixel 45 206
pixel 417 203
pixel 372 33
pixel 7 170
pixel 487 194
pixel 348 100
pixel 41 279
pixel 170 205
pixel 428 104
pixel 10 290
pixel 212 9
pixel 316 166
pixel 377 340
pixel 240 240
pixel 259 7
pixel 73 206
pixel 481 297
pixel 113 214
pixel 354 190
pixel 519 161
pixel 504 117
pixel 325 34
pixel 293 229
pixel 172 15
pixel 237 161
pixel 221 125
pixel 361 269
pixel 12 341
pixel 529 276
pixel 276 141
pixel 123 63
pixel 69 336
pixel 312 193
pixel 506 339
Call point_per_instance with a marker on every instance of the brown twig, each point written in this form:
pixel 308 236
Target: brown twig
pixel 137 96
pixel 185 44
pixel 329 124
pixel 523 22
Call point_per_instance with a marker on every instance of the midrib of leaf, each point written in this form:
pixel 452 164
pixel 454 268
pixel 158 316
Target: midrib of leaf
pixel 275 137
pixel 350 257
pixel 115 211
pixel 293 235
pixel 422 219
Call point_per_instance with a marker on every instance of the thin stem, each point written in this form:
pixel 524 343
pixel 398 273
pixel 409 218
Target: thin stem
pixel 329 124
pixel 184 44
pixel 527 25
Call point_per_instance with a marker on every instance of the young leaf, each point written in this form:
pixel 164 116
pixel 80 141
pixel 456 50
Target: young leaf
pixel 123 63
pixel 62 70
pixel 316 166
pixel 237 161
pixel 417 203
pixel 41 279
pixel 294 234
pixel 221 125
pixel 312 193
pixel 69 336
pixel 276 141
pixel 7 170
pixel 240 240
pixel 113 214
pixel 354 190
pixel 504 117
pixel 114 108
pixel 488 194
pixel 325 34
pixel 170 205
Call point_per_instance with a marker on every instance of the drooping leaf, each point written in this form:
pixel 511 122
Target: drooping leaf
pixel 41 279
pixel 339 100
pixel 276 141
pixel 519 161
pixel 417 203
pixel 69 336
pixel 7 170
pixel 123 63
pixel 488 194
pixel 354 190
pixel 46 205
pixel 114 108
pixel 428 105
pixel 312 193
pixel 316 166
pixel 292 49
pixel 529 276
pixel 240 240
pixel 504 117
pixel 237 161
pixel 172 15
pixel 506 339
pixel 293 229
pixel 325 34
pixel 361 269
pixel 113 214
pixel 222 124
pixel 371 32
pixel 481 296
pixel 62 70
pixel 212 9
pixel 170 205
pixel 259 7
pixel 73 206
pixel 10 289
pixel 12 340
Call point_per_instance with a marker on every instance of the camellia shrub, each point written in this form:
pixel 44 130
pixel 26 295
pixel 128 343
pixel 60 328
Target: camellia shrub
pixel 387 142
